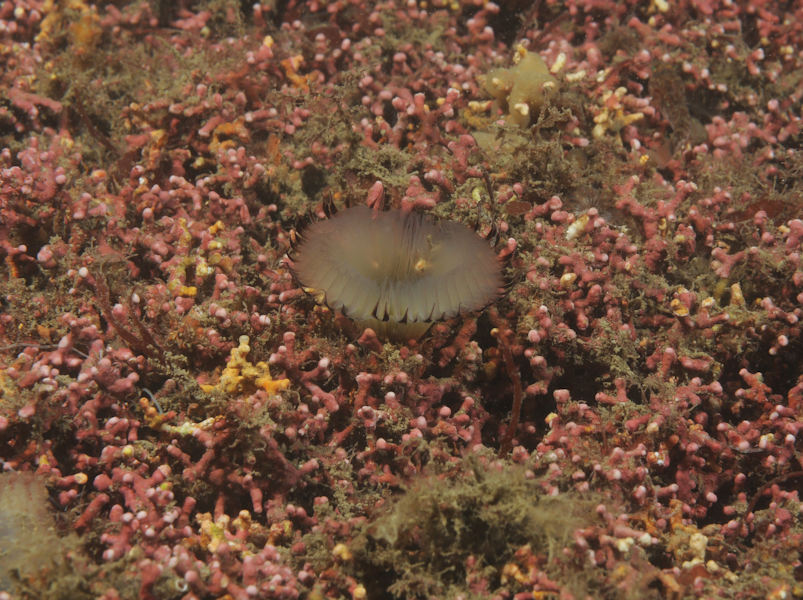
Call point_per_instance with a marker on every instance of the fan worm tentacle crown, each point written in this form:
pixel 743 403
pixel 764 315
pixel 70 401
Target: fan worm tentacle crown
pixel 396 272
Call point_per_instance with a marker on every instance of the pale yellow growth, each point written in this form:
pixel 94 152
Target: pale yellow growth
pixel 576 228
pixel 576 76
pixel 213 532
pixel 567 279
pixel 737 297
pixel 678 308
pixel 613 118
pixel 559 63
pixel 342 552
pixel 189 428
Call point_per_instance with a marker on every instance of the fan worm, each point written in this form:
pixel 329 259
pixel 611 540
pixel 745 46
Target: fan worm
pixel 396 272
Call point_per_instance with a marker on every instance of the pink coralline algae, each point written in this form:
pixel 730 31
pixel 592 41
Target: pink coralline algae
pixel 624 420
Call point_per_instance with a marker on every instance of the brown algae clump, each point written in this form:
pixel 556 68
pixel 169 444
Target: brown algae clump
pixel 396 272
pixel 479 513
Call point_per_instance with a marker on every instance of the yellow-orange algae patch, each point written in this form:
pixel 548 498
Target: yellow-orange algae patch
pixel 242 377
